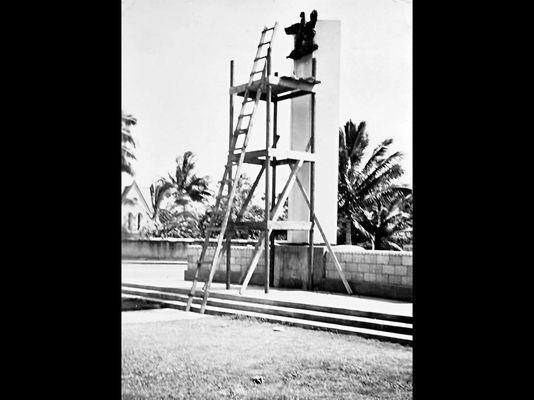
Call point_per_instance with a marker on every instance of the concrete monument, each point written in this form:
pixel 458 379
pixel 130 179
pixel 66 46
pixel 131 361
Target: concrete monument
pixel 326 52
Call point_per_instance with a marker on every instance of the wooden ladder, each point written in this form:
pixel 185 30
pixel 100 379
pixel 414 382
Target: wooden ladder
pixel 245 123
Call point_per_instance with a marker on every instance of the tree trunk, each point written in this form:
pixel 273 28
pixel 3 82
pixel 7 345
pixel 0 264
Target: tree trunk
pixel 348 231
pixel 373 243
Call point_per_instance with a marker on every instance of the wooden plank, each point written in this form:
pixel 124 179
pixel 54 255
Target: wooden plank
pixel 289 225
pixel 228 259
pixel 273 192
pixel 336 262
pixel 249 158
pixel 278 85
pixel 312 189
pixel 230 144
pixel 283 156
pixel 292 95
pixel 292 155
pixel 267 173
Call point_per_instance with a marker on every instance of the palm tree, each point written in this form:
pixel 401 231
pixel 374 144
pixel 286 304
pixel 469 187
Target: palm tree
pixel 184 186
pixel 363 185
pixel 384 221
pixel 127 143
pixel 189 187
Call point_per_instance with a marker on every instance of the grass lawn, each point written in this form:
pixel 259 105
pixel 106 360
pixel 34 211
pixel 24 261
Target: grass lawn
pixel 216 357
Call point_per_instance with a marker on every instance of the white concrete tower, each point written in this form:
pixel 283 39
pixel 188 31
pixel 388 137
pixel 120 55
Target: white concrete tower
pixel 328 38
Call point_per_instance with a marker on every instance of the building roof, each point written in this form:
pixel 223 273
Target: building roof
pixel 135 188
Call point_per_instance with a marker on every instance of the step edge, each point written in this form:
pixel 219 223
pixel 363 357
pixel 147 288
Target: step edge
pixel 325 325
pixel 284 303
pixel 311 313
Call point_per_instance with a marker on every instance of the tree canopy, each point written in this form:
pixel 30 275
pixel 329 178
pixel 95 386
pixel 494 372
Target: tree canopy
pixel 172 199
pixel 127 143
pixel 367 189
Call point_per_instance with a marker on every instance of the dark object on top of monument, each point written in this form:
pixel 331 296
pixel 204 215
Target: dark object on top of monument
pixel 304 33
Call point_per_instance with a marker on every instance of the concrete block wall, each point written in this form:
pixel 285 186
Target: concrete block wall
pixel 155 249
pixel 374 273
pixel 291 265
pixel 386 274
pixel 240 258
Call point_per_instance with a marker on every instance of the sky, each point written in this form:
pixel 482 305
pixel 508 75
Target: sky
pixel 175 73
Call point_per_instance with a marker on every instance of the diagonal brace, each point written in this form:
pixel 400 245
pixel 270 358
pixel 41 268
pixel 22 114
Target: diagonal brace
pixel 275 213
pixel 336 262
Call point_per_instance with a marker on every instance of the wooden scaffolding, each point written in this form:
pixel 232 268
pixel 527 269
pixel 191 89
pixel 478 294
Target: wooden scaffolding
pixel 269 90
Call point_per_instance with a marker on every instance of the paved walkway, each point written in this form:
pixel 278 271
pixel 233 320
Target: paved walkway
pixel 157 315
pixel 157 277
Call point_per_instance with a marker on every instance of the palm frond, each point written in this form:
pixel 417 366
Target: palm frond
pixel 157 192
pixel 187 166
pixel 393 196
pixel 382 176
pixel 377 156
pixel 128 119
pixel 393 245
pixel 172 179
pixel 361 141
pixel 361 229
pixel 128 140
pixel 127 153
pixel 126 167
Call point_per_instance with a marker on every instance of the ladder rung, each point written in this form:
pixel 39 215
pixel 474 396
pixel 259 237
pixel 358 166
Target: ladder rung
pixel 248 101
pixel 204 262
pixel 245 115
pixel 264 43
pixel 241 131
pixel 256 72
pixel 268 29
pixel 259 58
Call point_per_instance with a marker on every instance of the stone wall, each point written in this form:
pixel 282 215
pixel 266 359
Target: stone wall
pixel 387 274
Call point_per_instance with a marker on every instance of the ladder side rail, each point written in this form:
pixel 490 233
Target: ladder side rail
pixel 205 245
pixel 258 52
pixel 249 127
pixel 238 171
pixel 228 211
pixel 267 163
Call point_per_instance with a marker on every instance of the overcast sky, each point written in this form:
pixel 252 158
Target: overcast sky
pixel 175 72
